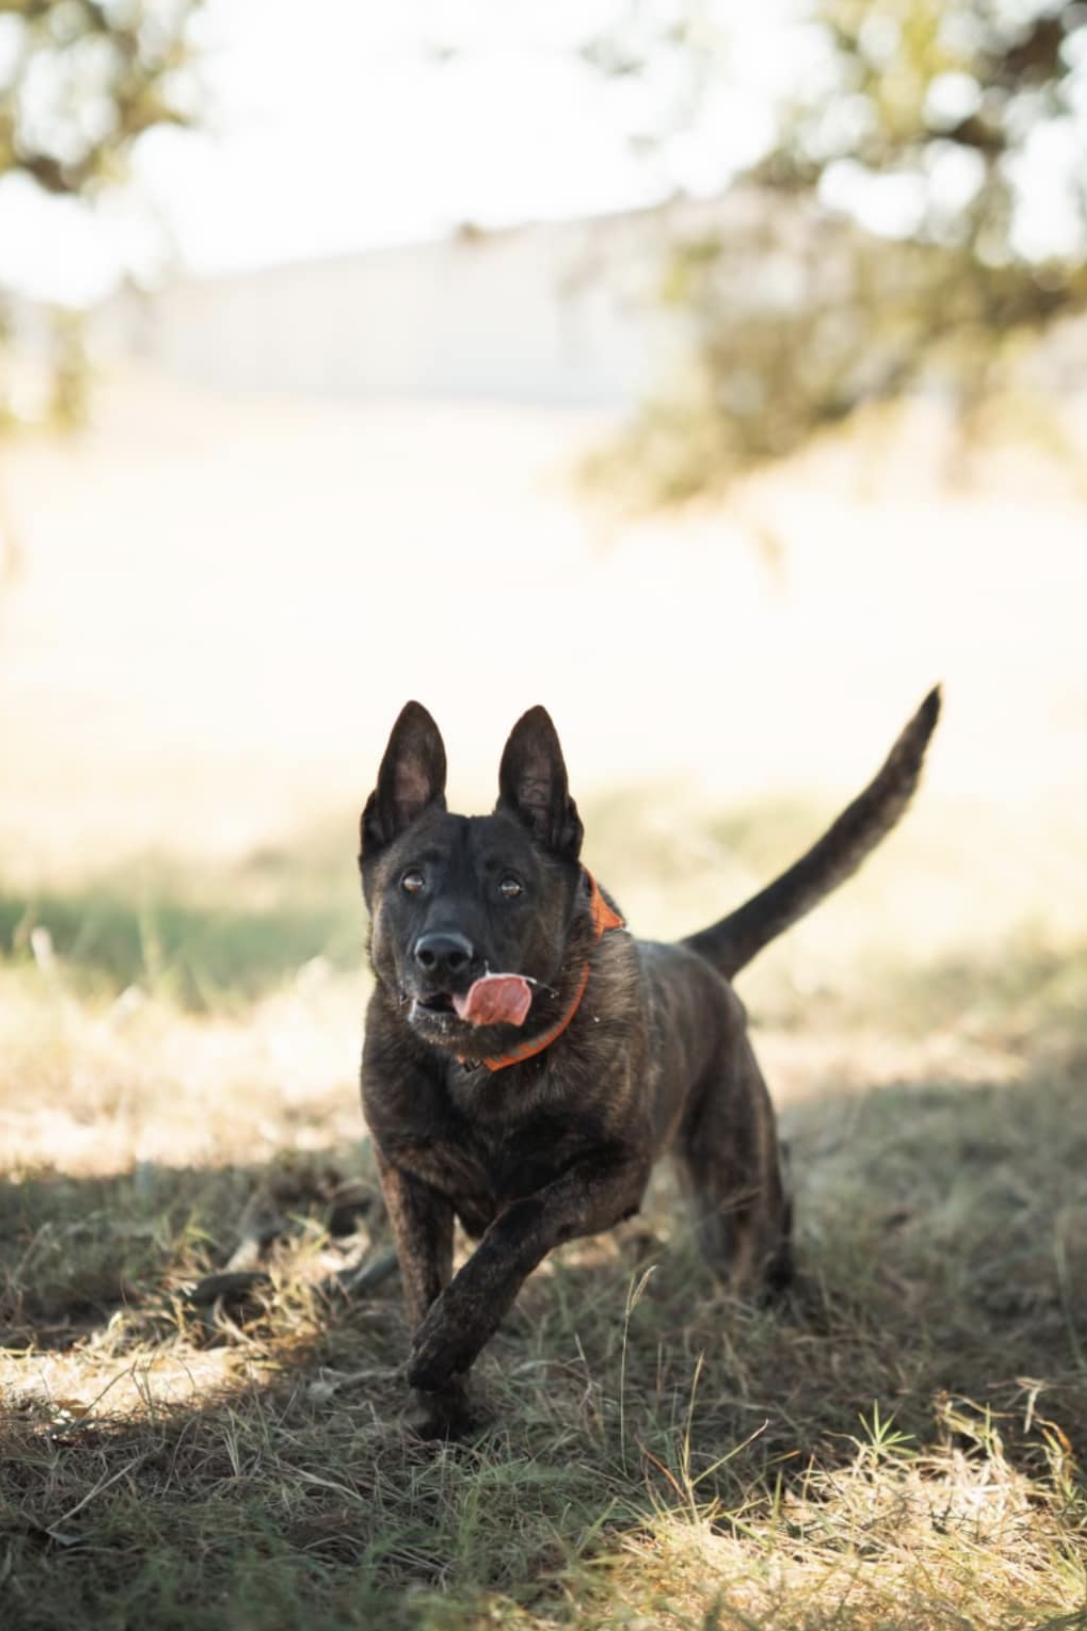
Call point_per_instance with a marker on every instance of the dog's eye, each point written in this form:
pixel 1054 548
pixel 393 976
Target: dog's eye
pixel 413 882
pixel 509 889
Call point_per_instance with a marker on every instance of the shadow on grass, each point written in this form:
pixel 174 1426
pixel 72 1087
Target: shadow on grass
pixel 943 1243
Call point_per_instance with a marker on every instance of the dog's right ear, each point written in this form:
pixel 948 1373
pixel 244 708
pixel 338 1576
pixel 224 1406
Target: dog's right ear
pixel 411 779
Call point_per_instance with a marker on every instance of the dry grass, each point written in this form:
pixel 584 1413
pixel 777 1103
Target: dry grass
pixel 898 1447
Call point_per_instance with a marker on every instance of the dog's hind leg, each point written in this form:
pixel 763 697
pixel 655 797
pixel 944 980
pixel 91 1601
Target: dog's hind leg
pixel 728 1152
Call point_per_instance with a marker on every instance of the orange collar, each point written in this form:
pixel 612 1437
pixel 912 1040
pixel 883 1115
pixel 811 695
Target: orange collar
pixel 605 917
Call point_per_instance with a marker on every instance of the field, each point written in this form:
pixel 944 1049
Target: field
pixel 188 729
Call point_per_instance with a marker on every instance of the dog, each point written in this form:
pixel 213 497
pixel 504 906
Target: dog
pixel 526 1060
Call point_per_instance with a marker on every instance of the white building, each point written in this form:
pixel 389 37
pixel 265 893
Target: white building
pixel 557 314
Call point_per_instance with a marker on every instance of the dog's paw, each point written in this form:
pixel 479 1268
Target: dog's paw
pixel 444 1346
pixel 439 1358
pixel 446 1414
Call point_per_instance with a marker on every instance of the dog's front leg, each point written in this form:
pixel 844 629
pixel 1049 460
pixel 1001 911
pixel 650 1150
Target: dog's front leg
pixel 595 1193
pixel 422 1226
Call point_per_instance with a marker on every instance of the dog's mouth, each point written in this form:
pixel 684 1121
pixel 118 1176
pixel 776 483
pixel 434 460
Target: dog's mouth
pixel 493 999
pixel 432 1015
pixel 440 1003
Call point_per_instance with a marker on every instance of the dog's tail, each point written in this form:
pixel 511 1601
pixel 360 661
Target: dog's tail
pixel 732 943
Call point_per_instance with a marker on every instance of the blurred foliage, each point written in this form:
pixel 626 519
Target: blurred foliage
pixel 80 82
pixel 919 218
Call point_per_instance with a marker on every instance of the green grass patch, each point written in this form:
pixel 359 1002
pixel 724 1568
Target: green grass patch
pixel 201 939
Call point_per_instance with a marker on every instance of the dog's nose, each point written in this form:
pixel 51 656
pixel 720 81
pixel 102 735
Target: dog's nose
pixel 443 953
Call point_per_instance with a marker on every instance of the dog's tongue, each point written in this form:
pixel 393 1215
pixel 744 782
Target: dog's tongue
pixel 495 999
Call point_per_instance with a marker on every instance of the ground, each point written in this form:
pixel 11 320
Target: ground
pixel 898 1445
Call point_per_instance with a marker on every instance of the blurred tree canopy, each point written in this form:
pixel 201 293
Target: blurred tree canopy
pixel 920 215
pixel 80 82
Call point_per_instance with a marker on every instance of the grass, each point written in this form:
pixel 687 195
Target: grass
pixel 203 938
pixel 898 1447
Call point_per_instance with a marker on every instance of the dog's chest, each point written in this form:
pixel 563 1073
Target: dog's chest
pixel 484 1165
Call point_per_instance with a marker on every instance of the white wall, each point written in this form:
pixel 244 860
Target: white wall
pixel 548 314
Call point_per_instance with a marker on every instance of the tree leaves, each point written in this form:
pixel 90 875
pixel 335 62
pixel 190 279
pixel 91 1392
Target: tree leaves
pixel 903 191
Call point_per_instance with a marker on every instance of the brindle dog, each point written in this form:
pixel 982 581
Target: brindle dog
pixel 538 1132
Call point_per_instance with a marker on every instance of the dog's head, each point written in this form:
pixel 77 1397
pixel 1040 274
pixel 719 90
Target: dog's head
pixel 454 898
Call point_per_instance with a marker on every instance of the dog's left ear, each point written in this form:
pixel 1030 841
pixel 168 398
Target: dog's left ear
pixel 411 779
pixel 533 787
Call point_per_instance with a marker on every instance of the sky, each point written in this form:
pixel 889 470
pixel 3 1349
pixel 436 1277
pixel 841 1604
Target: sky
pixel 340 126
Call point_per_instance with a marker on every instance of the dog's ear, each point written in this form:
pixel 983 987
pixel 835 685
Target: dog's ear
pixel 533 787
pixel 411 779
